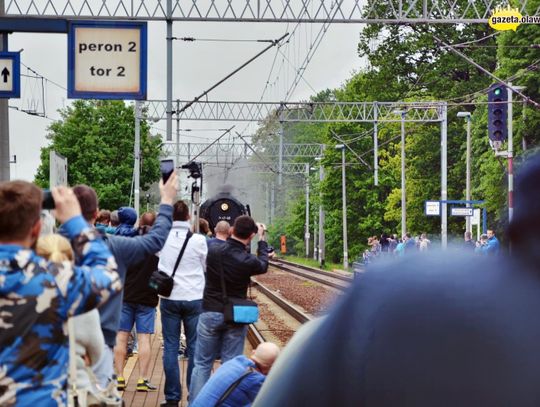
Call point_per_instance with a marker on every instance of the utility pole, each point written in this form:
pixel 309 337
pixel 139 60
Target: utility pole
pixel 375 145
pixel 444 176
pixel 467 116
pixel 177 137
pixel 321 214
pixel 307 211
pixel 344 199
pixel 137 154
pixel 169 112
pixel 403 184
pixel 4 116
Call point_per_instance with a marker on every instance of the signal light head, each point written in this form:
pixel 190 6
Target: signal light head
pixel 497 91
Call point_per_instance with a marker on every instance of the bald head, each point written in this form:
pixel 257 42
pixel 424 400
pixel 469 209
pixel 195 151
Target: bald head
pixel 222 230
pixel 265 355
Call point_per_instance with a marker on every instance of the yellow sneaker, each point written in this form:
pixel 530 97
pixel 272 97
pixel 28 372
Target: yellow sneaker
pixel 145 385
pixel 120 383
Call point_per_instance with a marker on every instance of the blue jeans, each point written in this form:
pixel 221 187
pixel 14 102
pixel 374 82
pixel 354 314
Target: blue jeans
pixel 214 337
pixel 172 314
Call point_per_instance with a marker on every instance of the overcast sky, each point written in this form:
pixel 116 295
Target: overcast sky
pixel 197 66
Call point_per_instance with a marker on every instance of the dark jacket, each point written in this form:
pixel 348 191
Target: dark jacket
pixel 238 267
pixel 136 289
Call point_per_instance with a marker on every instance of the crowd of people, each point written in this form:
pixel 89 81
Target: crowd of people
pixel 72 299
pixel 391 245
pixel 437 328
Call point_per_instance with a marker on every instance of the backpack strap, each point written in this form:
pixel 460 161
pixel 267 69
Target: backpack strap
pixel 233 386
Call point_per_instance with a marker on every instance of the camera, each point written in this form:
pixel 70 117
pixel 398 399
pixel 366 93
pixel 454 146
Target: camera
pixel 48 200
pixel 194 168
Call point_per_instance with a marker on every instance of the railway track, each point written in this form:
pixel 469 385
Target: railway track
pixel 334 280
pixel 254 336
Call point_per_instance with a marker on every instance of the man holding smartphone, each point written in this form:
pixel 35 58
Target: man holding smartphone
pixel 38 297
pixel 215 337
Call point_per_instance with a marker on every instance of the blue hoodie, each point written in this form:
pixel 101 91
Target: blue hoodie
pixel 127 217
pixel 129 251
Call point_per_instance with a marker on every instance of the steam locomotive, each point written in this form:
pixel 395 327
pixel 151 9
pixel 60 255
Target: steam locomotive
pixel 223 206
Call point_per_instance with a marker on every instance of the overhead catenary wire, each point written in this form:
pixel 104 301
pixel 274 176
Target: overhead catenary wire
pixel 472 62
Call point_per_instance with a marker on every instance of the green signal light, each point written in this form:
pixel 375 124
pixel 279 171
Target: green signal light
pixel 497 91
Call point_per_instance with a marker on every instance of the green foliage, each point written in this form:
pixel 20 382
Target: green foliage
pixel 407 63
pixel 97 138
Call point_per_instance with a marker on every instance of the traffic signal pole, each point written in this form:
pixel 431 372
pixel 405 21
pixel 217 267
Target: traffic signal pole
pixel 510 156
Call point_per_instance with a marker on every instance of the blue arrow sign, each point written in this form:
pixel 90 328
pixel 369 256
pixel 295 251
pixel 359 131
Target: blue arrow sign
pixel 10 75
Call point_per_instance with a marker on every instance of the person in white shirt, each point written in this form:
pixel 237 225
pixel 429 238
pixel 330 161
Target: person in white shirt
pixel 185 302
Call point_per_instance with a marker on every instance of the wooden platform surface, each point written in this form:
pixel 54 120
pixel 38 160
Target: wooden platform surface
pixel 132 398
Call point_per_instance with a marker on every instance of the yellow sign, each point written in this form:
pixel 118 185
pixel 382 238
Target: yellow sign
pixel 504 19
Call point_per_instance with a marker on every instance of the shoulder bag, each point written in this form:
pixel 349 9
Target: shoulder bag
pixel 160 281
pixel 236 310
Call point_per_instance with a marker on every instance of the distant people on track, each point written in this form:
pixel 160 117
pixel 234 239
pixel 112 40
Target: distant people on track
pixel 468 242
pixel 481 245
pixel 213 336
pixel 409 245
pixel 493 246
pixel 184 305
pixel 238 381
pixel 139 311
pixel 222 232
pixel 127 252
pixel 39 296
pixel 424 244
pixel 127 217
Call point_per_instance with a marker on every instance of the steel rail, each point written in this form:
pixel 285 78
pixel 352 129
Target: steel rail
pixel 287 306
pixel 286 266
pixel 254 336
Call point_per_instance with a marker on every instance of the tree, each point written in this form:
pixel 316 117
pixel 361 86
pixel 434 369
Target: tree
pixel 97 138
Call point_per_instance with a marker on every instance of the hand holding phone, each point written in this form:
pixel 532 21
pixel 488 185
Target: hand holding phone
pixel 48 200
pixel 167 168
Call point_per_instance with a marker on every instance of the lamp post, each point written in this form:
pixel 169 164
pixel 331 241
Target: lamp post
pixel 467 116
pixel 314 230
pixel 510 150
pixel 321 214
pixel 306 233
pixel 344 199
pixel 402 113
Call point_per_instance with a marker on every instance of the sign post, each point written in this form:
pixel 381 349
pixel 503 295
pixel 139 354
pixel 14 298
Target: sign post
pixel 432 208
pixel 58 166
pixel 10 75
pixel 107 60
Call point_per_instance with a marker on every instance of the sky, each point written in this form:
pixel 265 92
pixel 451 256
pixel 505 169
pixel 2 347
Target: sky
pixel 197 66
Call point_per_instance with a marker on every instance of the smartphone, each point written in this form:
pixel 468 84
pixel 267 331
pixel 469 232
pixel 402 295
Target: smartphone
pixel 48 200
pixel 167 168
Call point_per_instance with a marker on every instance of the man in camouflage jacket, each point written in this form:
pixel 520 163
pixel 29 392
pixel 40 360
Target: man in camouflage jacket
pixel 37 297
